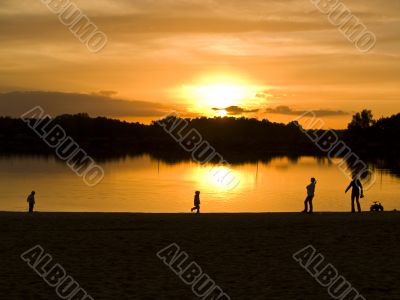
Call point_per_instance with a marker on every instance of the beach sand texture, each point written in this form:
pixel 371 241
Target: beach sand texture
pixel 113 256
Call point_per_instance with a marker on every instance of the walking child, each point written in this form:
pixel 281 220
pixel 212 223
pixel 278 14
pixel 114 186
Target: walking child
pixel 196 202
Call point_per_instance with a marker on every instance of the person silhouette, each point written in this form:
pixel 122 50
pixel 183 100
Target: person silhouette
pixel 356 192
pixel 310 196
pixel 31 201
pixel 196 202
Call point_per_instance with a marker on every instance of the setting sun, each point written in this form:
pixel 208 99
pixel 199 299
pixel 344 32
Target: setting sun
pixel 222 113
pixel 220 92
pixel 220 95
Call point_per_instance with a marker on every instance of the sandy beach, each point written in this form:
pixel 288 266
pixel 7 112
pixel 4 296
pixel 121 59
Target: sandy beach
pixel 113 256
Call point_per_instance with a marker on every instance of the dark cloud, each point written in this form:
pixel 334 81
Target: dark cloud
pixel 236 110
pixel 286 110
pixel 14 104
pixel 105 93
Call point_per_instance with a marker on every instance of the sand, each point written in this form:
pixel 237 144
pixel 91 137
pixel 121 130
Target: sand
pixel 113 256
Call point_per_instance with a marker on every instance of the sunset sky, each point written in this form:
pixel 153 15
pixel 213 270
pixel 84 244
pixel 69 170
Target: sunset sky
pixel 266 58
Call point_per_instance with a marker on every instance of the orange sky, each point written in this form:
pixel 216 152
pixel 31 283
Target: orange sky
pixel 272 59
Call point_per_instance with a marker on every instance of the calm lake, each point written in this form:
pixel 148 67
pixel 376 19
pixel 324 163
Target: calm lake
pixel 143 184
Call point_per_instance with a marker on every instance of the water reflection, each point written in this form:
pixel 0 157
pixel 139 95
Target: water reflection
pixel 148 184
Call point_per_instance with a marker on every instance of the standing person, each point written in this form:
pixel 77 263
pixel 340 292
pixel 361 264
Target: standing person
pixel 310 196
pixel 31 201
pixel 356 192
pixel 196 202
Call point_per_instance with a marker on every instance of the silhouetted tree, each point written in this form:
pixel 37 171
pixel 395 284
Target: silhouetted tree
pixel 362 120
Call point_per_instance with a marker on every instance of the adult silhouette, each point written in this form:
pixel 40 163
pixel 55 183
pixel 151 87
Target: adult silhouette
pixel 310 196
pixel 31 201
pixel 356 192
pixel 196 202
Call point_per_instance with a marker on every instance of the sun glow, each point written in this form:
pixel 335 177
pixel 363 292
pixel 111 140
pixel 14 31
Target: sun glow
pixel 220 92
pixel 220 96
pixel 222 113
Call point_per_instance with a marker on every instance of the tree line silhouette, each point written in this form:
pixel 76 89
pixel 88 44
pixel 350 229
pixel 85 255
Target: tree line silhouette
pixel 237 139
